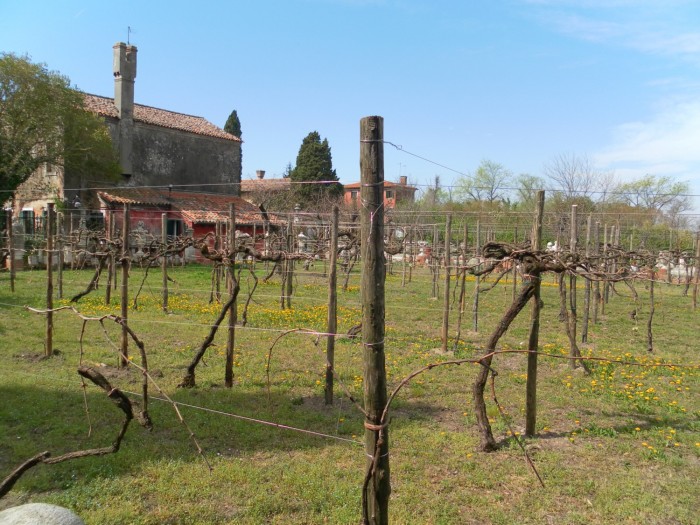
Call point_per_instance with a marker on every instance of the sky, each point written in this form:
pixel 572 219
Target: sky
pixel 517 82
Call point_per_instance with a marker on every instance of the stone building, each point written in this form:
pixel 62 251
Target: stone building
pixel 156 147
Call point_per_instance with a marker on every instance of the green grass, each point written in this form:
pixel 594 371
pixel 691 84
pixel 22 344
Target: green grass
pixel 619 446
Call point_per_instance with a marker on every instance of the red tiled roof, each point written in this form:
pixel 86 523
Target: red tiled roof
pixel 198 208
pixel 252 185
pixel 105 107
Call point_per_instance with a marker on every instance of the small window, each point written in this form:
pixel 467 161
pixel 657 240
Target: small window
pixel 353 195
pixel 27 218
pixel 389 194
pixel 175 228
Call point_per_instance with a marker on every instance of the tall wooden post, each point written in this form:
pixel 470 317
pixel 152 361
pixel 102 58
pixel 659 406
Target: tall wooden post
pixel 233 310
pixel 332 325
pixel 596 253
pixel 587 284
pixel 59 249
pixel 572 315
pixel 164 258
pixel 126 259
pixel 11 241
pixel 448 266
pixel 290 265
pixel 697 270
pixel 534 339
pixel 433 258
pixel 477 281
pixel 49 279
pixel 378 489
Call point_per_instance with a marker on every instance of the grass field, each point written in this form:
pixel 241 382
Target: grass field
pixel 621 445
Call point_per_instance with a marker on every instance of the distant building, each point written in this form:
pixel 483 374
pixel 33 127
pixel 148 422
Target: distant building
pixel 394 193
pixel 187 213
pixel 156 147
pixel 266 192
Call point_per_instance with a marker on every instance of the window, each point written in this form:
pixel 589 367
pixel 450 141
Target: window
pixel 389 194
pixel 353 195
pixel 27 218
pixel 175 228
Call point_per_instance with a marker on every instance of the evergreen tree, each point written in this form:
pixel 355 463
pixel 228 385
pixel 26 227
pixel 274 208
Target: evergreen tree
pixel 314 164
pixel 233 124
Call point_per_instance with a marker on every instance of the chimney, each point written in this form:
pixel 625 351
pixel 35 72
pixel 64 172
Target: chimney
pixel 124 76
pixel 124 69
pixel 403 180
pixel 260 174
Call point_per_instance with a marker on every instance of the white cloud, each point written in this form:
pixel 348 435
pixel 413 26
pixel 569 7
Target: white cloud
pixel 641 26
pixel 667 144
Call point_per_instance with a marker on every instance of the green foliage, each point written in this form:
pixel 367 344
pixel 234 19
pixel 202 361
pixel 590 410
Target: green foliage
pixel 233 124
pixel 315 164
pixel 43 120
pixel 489 183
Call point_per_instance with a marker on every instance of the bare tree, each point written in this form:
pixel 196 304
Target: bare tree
pixel 574 175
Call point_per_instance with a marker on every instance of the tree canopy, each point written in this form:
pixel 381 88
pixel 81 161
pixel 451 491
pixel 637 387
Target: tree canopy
pixel 43 120
pixel 490 183
pixel 233 124
pixel 314 164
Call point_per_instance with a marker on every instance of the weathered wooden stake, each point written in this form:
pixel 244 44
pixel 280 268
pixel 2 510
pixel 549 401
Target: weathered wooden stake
pixel 126 259
pixel 332 306
pixel 164 262
pixel 59 248
pixel 572 314
pixel 233 309
pixel 448 266
pixel 11 241
pixel 697 270
pixel 587 285
pixel 477 282
pixel 378 488
pixel 49 280
pixel 533 340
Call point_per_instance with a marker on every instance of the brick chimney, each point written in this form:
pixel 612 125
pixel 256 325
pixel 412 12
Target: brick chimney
pixel 403 180
pixel 260 174
pixel 124 69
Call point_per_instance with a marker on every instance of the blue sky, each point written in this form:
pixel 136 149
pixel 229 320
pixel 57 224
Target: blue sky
pixel 514 81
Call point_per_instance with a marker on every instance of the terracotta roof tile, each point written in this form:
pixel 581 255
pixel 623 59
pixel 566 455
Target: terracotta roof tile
pixel 198 208
pixel 105 107
pixel 251 185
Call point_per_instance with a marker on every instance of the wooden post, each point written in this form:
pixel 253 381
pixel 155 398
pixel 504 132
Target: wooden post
pixel 217 269
pixel 533 340
pixel 377 490
pixel 126 259
pixel 233 310
pixel 697 270
pixel 514 269
pixel 433 258
pixel 290 263
pixel 596 253
pixel 448 266
pixel 113 257
pixel 604 298
pixel 477 282
pixel 164 261
pixel 49 280
pixel 332 326
pixel 11 241
pixel 572 315
pixel 59 248
pixel 587 284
